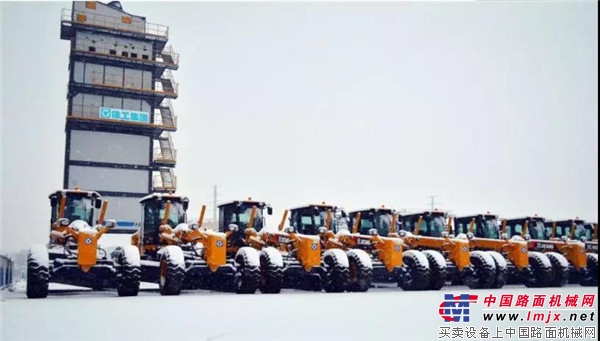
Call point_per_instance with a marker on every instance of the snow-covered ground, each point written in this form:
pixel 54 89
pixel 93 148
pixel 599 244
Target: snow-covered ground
pixel 379 314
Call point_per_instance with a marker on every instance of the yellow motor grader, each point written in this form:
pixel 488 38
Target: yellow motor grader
pixel 179 255
pixel 532 268
pixel 304 264
pixel 243 222
pixel 73 255
pixel 450 258
pixel 565 243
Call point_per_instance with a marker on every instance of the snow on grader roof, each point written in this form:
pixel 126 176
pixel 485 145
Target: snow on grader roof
pixel 163 196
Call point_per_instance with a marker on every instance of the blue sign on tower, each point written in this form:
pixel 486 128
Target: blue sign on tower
pixel 124 115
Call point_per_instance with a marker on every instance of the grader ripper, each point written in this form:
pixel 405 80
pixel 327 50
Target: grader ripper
pixel 533 269
pixel 73 255
pixel 243 223
pixel 449 257
pixel 178 255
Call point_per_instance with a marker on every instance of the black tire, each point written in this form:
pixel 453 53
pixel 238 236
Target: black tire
pixel 484 270
pixel 38 278
pixel 417 274
pixel 247 277
pixel 438 270
pixel 541 271
pixel 129 273
pixel 501 270
pixel 337 278
pixel 360 274
pixel 592 267
pixel 271 275
pixel 171 273
pixel 560 269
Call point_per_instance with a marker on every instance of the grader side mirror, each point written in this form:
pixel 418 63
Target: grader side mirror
pixel 98 204
pixel 269 210
pixel 53 201
pixel 185 205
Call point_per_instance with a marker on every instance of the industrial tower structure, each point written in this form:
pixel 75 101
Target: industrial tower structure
pixel 120 117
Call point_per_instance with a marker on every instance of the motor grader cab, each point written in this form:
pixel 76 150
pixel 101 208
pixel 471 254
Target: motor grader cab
pixel 374 231
pixel 243 222
pixel 73 255
pixel 180 255
pixel 532 268
pixel 565 243
pixel 449 257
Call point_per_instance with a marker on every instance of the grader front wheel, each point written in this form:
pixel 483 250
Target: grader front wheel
pixel 171 271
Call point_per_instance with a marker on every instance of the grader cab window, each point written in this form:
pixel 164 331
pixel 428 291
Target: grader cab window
pixel 435 226
pixel 243 217
pixel 154 212
pixel 537 230
pixel 563 230
pixel 379 221
pixel 581 231
pixel 79 208
pixel 240 216
pixel 489 228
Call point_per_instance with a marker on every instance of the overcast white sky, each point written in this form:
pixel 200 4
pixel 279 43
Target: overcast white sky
pixel 491 106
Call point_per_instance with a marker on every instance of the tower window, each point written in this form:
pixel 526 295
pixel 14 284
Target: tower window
pixel 145 57
pixel 134 55
pixel 124 54
pixel 92 49
pixel 113 52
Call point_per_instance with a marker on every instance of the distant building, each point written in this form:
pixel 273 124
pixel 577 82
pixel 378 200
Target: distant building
pixel 120 116
pixel 6 271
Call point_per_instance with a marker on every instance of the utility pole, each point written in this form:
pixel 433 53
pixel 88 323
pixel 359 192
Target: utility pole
pixel 432 201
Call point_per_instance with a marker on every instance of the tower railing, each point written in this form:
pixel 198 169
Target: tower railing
pixel 108 50
pixel 158 155
pixel 160 185
pixel 128 82
pixel 158 120
pixel 123 23
pixel 169 52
